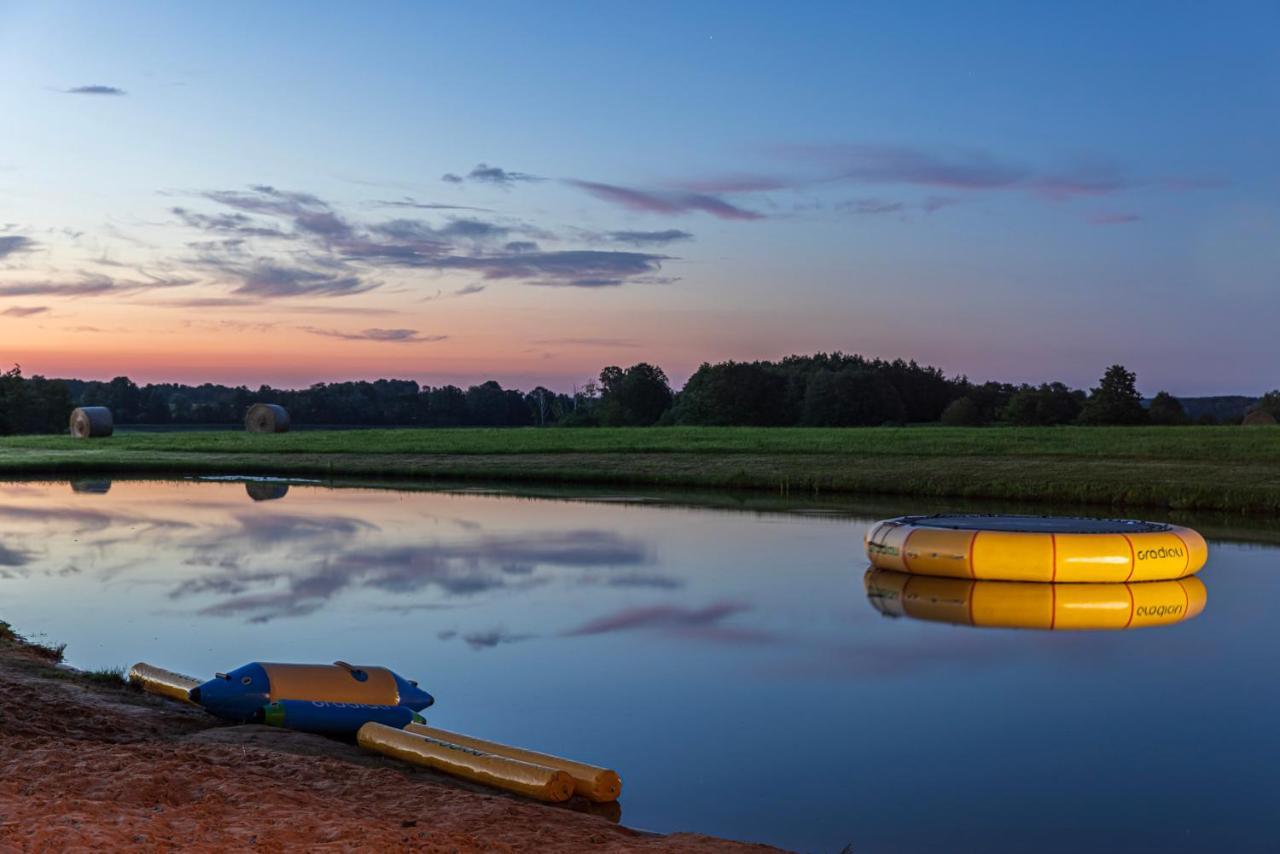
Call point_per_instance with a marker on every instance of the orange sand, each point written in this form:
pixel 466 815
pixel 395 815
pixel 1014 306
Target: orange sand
pixel 94 767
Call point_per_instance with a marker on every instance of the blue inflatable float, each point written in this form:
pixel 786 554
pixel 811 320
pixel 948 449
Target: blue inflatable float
pixel 334 699
pixel 241 694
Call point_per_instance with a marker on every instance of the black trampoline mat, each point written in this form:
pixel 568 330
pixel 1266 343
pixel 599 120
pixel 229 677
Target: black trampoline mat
pixel 1037 524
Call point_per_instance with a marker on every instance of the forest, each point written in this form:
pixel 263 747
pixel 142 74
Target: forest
pixel 820 390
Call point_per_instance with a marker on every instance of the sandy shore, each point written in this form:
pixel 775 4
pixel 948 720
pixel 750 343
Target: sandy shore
pixel 90 765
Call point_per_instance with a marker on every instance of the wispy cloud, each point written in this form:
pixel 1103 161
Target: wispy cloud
pixel 579 268
pixel 964 170
pixel 410 202
pixel 234 223
pixel 456 228
pixel 266 199
pixel 733 184
pixel 95 89
pixel 248 302
pixel 893 164
pixel 953 173
pixel 871 206
pixel 389 336
pixel 15 557
pixel 24 311
pixel 338 253
pixel 647 238
pixel 12 244
pixel 266 279
pixel 464 291
pixel 665 201
pixel 1113 218
pixel 589 342
pixel 89 285
pixel 491 638
pixel 485 174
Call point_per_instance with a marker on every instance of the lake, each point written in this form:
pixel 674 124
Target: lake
pixel 728 663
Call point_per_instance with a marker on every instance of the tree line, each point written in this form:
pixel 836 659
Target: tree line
pixel 820 390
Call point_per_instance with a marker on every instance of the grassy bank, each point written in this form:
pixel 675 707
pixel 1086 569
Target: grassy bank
pixel 1213 468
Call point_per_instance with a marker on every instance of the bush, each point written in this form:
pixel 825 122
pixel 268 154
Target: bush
pixel 962 412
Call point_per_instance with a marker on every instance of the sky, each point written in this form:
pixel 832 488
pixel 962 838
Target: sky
pixel 286 194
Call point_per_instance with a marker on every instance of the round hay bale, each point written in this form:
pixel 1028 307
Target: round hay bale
pixel 266 418
pixel 260 491
pixel 1259 418
pixel 92 422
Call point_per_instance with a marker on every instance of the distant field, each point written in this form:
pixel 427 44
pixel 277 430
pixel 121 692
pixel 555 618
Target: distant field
pixel 1213 468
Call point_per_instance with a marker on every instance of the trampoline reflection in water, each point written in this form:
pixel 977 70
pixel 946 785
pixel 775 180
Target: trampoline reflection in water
pixel 1034 605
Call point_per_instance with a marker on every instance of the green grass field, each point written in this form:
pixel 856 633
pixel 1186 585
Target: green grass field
pixel 1206 468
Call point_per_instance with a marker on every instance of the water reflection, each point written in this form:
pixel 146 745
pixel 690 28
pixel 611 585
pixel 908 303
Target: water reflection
pixel 653 637
pixel 260 490
pixel 1034 605
pixel 274 563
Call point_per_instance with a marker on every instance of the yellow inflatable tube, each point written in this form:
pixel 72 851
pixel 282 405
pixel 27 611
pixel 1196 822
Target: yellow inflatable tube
pixel 1030 605
pixel 165 683
pixel 1035 548
pixel 501 772
pixel 592 782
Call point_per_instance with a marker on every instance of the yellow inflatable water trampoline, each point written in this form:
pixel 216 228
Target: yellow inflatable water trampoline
pixel 1031 605
pixel 1035 548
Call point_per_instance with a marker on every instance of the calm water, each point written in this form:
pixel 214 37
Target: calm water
pixel 728 664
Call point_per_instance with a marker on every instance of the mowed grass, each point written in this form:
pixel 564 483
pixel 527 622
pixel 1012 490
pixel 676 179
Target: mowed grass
pixel 1157 443
pixel 1210 468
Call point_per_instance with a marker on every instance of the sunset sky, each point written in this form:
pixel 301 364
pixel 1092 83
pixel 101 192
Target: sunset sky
pixel 266 193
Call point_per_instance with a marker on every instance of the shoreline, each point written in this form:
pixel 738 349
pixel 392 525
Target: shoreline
pixel 1218 469
pixel 87 761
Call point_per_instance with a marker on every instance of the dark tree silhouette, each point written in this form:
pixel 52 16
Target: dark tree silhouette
pixel 636 397
pixel 734 393
pixel 851 397
pixel 1043 406
pixel 823 389
pixel 1166 411
pixel 34 405
pixel 1115 400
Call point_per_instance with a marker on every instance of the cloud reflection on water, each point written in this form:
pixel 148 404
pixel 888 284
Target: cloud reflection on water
pixel 674 620
pixel 325 555
pixel 86 520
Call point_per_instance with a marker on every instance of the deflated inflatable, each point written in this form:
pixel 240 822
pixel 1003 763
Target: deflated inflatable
pixel 601 785
pixel 1030 605
pixel 163 683
pixel 502 772
pixel 1035 548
